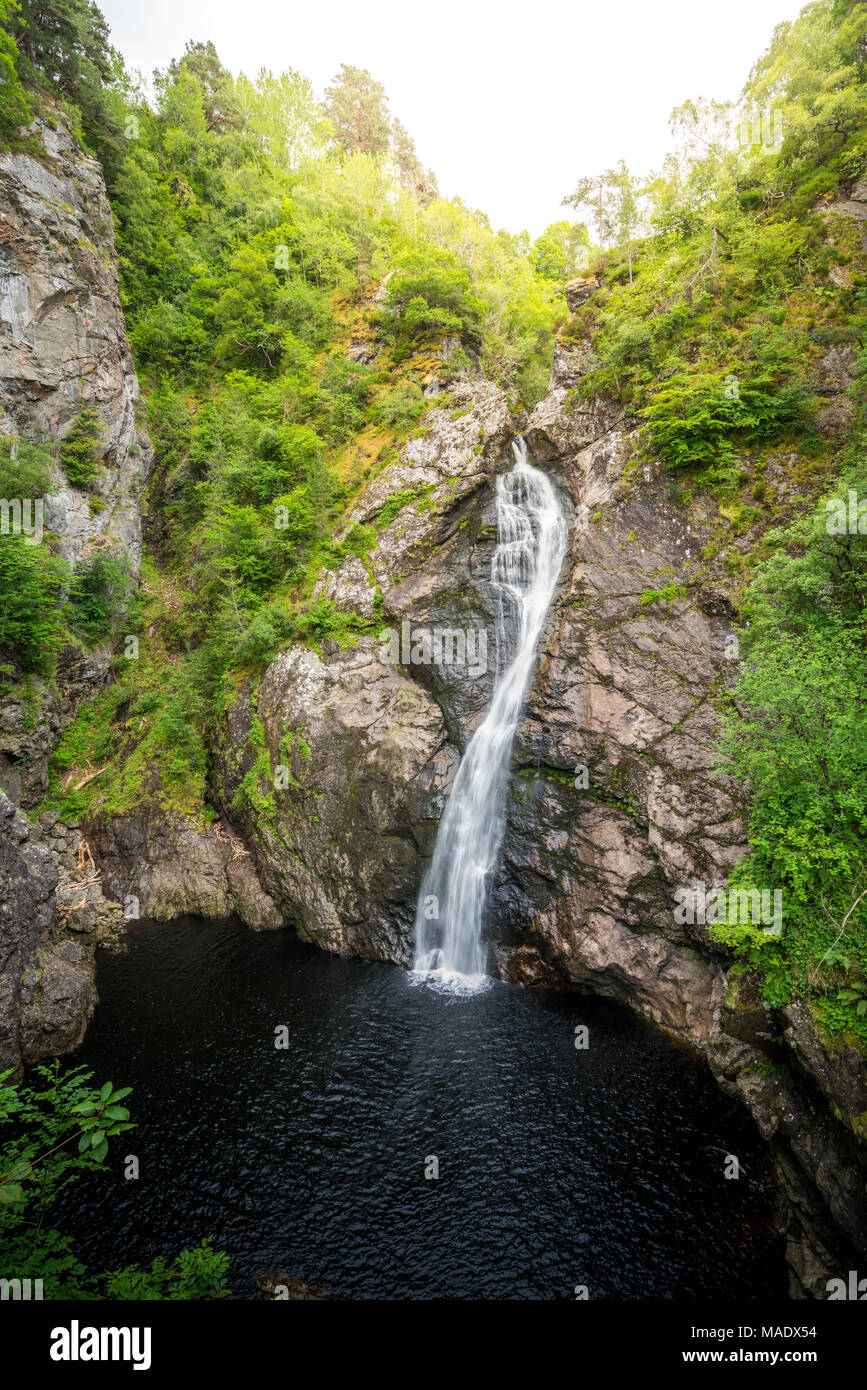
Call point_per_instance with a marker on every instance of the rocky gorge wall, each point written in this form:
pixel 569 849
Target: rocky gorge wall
pixel 330 772
pixel 63 349
pixel 614 802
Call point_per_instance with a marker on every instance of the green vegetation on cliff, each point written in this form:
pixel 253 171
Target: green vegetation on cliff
pixel 292 284
pixel 718 327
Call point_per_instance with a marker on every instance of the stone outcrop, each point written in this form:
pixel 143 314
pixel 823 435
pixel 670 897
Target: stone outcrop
pixel 367 747
pixel 63 344
pixel 33 715
pixel 63 349
pixel 52 915
pixel 162 866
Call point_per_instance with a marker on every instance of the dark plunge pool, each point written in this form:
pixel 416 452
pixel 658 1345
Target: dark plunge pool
pixel 557 1167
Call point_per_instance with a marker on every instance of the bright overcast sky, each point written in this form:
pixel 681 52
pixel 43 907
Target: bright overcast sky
pixel 509 103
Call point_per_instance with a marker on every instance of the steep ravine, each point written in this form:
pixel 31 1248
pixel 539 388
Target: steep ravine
pixel 367 747
pixel 584 898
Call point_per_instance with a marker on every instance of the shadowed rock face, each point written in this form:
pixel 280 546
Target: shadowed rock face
pixel 163 867
pixel 616 802
pixel 47 993
pixel 63 348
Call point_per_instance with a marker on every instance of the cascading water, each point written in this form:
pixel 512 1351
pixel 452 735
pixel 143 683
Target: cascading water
pixel 531 544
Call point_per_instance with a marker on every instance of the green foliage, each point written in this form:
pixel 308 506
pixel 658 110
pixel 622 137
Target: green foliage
pixel 796 734
pixel 429 292
pixel 199 1273
pixel 64 46
pixel 718 288
pixel 401 408
pixel 694 418
pixel 397 501
pixel 14 107
pixel 58 1128
pixel 561 252
pixel 360 541
pixel 98 596
pixel 357 108
pixel 31 584
pixel 79 454
pixel 25 468
pixel 671 592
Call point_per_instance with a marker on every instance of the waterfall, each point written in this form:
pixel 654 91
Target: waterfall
pixel 531 544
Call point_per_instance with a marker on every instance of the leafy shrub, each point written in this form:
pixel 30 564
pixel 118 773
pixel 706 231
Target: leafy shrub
pixel 31 583
pixel 429 291
pixel 169 338
pixel 25 469
pixel 98 595
pixel 401 408
pixel 78 450
pixel 795 733
pixel 691 418
pixel 59 1128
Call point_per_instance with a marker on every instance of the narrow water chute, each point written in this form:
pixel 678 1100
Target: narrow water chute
pixel 531 545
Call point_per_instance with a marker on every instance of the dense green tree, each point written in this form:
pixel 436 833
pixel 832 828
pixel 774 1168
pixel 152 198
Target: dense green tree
pixel 64 45
pixel 561 251
pixel 613 198
pixel 219 99
pixel 14 108
pixel 31 584
pixel 357 108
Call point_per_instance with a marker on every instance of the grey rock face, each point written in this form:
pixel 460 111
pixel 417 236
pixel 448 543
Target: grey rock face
pixel 339 845
pixel 349 588
pixel 63 348
pixel 47 991
pixel 32 717
pixel 163 867
pixel 63 343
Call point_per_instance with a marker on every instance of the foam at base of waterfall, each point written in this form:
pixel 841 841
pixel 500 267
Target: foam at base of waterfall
pixel 449 981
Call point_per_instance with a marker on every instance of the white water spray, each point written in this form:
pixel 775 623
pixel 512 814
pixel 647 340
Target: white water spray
pixel 531 544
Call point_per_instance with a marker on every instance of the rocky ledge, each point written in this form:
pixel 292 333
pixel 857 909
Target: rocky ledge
pixel 53 914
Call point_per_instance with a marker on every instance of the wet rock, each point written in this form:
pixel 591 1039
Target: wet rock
pixel 163 866
pixel 47 992
pixel 338 846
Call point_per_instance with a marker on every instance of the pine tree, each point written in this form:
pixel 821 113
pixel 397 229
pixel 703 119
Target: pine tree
pixel 357 108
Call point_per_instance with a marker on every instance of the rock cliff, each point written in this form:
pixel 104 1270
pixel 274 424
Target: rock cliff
pixel 64 350
pixel 615 801
pixel 331 771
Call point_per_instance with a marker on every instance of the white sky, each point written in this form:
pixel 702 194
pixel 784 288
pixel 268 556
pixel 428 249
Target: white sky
pixel 509 103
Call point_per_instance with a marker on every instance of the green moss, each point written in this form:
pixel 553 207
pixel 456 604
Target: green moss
pixel 669 594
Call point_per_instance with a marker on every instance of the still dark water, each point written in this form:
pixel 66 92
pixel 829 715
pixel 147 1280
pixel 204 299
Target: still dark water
pixel 558 1167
